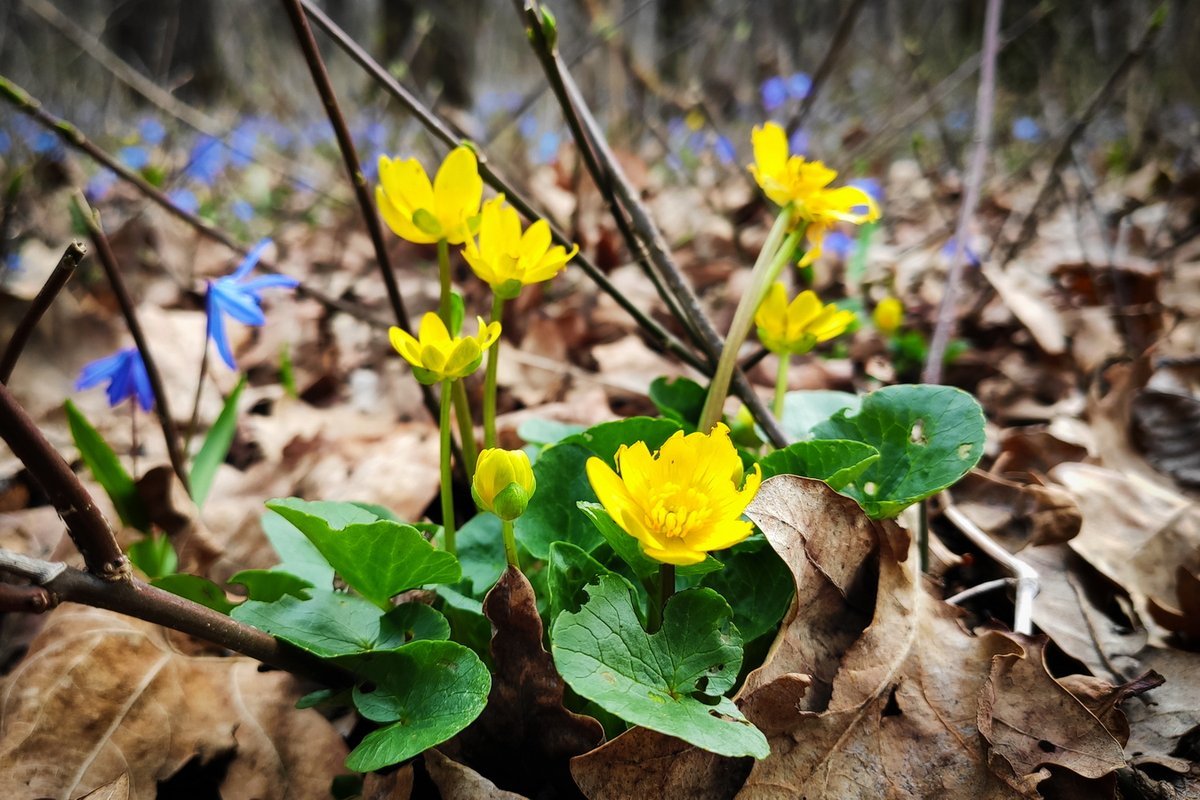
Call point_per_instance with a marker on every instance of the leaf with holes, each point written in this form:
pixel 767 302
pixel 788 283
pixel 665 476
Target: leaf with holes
pixel 927 437
pixel 671 681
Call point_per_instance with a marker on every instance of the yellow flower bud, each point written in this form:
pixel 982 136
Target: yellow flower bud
pixel 888 315
pixel 504 482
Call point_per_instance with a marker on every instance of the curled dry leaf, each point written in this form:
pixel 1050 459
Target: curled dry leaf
pixel 1017 515
pixel 1165 425
pixel 100 695
pixel 116 789
pixel 1104 699
pixel 1184 619
pixel 1032 722
pixel 457 782
pixel 396 785
pixel 525 735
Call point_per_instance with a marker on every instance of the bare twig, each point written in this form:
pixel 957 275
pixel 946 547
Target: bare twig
pixel 87 527
pixel 451 138
pixel 54 284
pixel 984 106
pixel 975 591
pixel 26 599
pixel 841 35
pixel 137 599
pixel 1026 576
pixel 162 407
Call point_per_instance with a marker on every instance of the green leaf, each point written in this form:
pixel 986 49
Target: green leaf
pixel 481 552
pixel 107 470
pixel 379 558
pixel 197 589
pixel 628 550
pixel 216 446
pixel 427 691
pixel 297 554
pixel 671 681
pixel 468 625
pixel 335 624
pixel 154 556
pixel 679 399
pixel 568 572
pixel 378 511
pixel 606 438
pixel 927 436
pixel 269 585
pixel 758 586
pixel 287 372
pixel 803 411
pixel 835 461
pixel 546 431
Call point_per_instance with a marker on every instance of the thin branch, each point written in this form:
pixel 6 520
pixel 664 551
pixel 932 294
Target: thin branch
pixel 451 138
pixel 25 599
pixel 1025 575
pixel 140 600
pixel 984 106
pixel 87 527
pixel 162 407
pixel 607 175
pixel 54 284
pixel 841 35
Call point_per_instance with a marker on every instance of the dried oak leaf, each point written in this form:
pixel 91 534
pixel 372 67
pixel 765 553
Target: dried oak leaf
pixel 1164 425
pixel 1017 514
pixel 100 695
pixel 525 736
pixel 458 782
pixel 901 716
pixel 116 789
pixel 1032 722
pixel 396 785
pixel 1184 619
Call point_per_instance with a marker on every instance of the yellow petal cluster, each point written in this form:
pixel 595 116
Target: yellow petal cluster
pixel 795 328
pixel 426 213
pixel 888 315
pixel 436 356
pixel 682 501
pixel 503 482
pixel 803 185
pixel 507 259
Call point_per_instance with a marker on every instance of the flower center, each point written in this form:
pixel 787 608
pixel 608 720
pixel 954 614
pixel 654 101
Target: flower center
pixel 674 510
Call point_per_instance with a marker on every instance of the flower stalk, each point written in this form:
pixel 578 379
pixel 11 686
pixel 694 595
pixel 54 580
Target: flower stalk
pixel 666 590
pixel 489 385
pixel 781 384
pixel 446 469
pixel 510 544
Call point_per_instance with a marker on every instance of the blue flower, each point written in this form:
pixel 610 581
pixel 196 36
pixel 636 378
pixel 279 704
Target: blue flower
pixel 799 85
pixel 724 149
pixel 948 252
pixel 838 244
pixel 240 299
pixel 872 187
pixel 242 210
pixel 134 157
pixel 100 184
pixel 185 199
pixel 1026 129
pixel 47 144
pixel 206 160
pixel 242 144
pixel 126 375
pixel 5 142
pixel 546 149
pixel 774 93
pixel 151 131
pixel 798 141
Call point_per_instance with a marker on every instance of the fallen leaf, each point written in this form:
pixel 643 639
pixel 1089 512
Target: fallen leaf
pixel 396 785
pixel 1186 618
pixel 458 782
pixel 1165 426
pixel 116 789
pixel 101 694
pixel 1017 514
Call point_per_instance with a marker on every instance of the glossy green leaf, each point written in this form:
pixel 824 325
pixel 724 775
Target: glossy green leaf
pixel 757 584
pixel 426 692
pixel 197 589
pixel 215 447
pixel 672 681
pixel 481 552
pixel 547 431
pixel 679 399
pixel 269 585
pixel 606 438
pixel 106 468
pixel 568 572
pixel 377 557
pixel 154 555
pixel 297 554
pixel 803 411
pixel 927 437
pixel 835 461
pixel 628 550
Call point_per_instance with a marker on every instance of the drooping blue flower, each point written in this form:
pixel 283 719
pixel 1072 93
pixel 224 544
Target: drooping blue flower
pixel 1026 129
pixel 185 199
pixel 134 156
pixel 527 127
pixel 241 299
pixel 206 160
pixel 151 131
pixel 126 375
pixel 547 147
pixel 46 144
pixel 242 143
pixel 799 84
pixel 12 262
pixel 798 141
pixel 774 91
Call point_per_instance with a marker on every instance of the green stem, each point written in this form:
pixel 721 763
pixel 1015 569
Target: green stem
pixel 776 252
pixel 466 429
pixel 510 544
pixel 489 386
pixel 666 589
pixel 447 473
pixel 781 383
pixel 443 253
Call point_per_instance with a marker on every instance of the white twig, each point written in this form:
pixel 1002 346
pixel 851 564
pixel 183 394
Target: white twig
pixel 974 591
pixel 1026 576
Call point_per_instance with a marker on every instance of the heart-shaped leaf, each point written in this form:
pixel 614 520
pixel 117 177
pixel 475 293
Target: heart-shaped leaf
pixel 678 399
pixel 835 461
pixel 268 585
pixel 197 589
pixel 803 411
pixel 378 558
pixel 570 571
pixel 671 681
pixel 927 437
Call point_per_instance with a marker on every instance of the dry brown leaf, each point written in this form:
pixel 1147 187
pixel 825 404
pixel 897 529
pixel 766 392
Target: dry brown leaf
pixel 116 789
pixel 1185 619
pixel 1017 514
pixel 457 782
pixel 642 763
pixel 396 785
pixel 1165 426
pixel 1104 699
pixel 1161 718
pixel 901 717
pixel 1032 722
pixel 525 736
pixel 100 695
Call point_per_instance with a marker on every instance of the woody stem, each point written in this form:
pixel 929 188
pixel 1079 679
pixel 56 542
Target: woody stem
pixel 489 386
pixel 447 473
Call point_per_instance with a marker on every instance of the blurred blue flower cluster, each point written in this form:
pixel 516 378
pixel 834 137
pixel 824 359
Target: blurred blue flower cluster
pixel 777 91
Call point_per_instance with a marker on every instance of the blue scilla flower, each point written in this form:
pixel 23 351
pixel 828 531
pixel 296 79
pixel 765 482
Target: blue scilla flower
pixel 206 160
pixel 99 185
pixel 126 375
pixel 724 149
pixel 134 156
pixel 242 210
pixel 774 91
pixel 46 144
pixel 968 254
pixel 151 131
pixel 1026 129
pixel 184 198
pixel 798 141
pixel 240 299
pixel 799 85
pixel 547 147
pixel 838 245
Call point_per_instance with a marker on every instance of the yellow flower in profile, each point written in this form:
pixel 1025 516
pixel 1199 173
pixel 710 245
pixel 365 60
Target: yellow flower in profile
pixel 423 213
pixel 888 315
pixel 803 185
pixel 507 259
pixel 436 355
pixel 503 482
pixel 795 328
pixel 681 502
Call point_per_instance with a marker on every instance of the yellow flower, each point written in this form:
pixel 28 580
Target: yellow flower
pixel 804 185
pixel 888 315
pixel 682 501
pixel 424 213
pixel 503 482
pixel 795 328
pixel 507 259
pixel 438 356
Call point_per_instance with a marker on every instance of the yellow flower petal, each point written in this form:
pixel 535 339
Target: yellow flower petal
pixel 457 193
